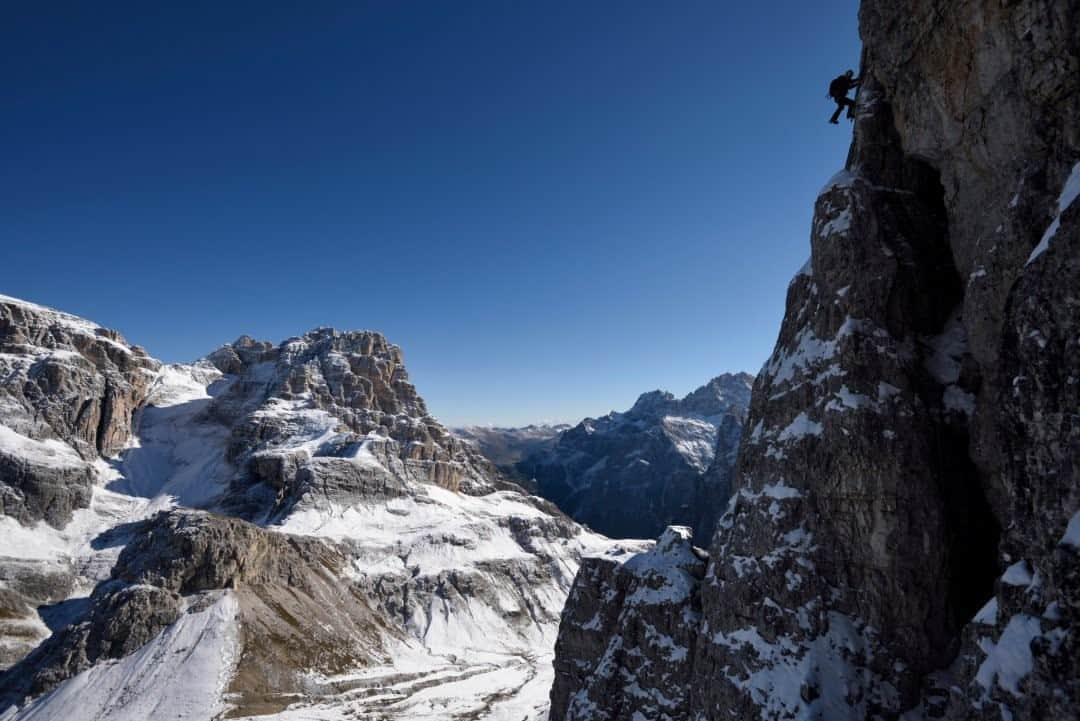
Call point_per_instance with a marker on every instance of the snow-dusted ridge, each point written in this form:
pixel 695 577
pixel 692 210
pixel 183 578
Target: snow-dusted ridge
pixel 664 461
pixel 455 579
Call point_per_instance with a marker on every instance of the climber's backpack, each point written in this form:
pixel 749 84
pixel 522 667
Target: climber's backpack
pixel 838 88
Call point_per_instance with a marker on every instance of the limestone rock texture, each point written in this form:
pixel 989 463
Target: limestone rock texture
pixel 70 393
pixel 270 531
pixel 903 531
pixel 665 461
pixel 626 639
pixel 353 388
pixel 294 610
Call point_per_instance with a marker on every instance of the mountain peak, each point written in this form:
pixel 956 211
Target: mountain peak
pixel 664 461
pixel 720 395
pixel 292 505
pixel 652 402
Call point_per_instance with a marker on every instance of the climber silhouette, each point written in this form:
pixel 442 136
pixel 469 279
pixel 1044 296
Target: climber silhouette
pixel 838 90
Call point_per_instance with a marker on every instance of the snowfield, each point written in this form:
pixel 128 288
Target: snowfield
pixel 181 674
pixel 485 654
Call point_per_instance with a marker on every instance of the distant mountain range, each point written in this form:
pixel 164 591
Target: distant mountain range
pixel 507 447
pixel 665 461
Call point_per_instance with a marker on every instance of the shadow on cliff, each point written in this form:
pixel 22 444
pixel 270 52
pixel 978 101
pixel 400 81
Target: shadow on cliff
pixel 933 290
pixel 180 453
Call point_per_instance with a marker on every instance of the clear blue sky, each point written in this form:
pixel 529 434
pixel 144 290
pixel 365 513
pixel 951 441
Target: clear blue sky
pixel 551 206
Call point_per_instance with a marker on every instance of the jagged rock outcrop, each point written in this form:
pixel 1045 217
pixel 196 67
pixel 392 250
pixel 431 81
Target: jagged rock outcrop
pixel 626 639
pixel 295 611
pixel 902 536
pixel 665 461
pixel 330 394
pixel 69 395
pixel 119 619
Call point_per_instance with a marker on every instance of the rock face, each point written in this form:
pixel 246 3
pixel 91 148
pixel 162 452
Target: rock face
pixel 327 394
pixel 903 531
pixel 69 395
pixel 664 461
pixel 70 391
pixel 627 634
pixel 286 526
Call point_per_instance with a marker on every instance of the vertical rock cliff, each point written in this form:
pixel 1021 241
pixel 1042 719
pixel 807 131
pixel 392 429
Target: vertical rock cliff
pixel 69 393
pixel 626 640
pixel 902 536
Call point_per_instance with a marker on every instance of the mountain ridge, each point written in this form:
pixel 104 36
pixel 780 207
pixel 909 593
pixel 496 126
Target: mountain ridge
pixel 291 505
pixel 664 461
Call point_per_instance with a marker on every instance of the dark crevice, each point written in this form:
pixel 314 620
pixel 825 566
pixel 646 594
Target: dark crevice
pixel 928 287
pixel 942 289
pixel 973 529
pixel 102 431
pixel 932 295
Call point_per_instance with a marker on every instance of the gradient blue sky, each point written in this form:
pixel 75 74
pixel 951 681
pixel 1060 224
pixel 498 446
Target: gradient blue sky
pixel 551 206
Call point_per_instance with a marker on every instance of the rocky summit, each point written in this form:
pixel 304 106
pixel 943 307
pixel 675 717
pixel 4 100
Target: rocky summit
pixel 277 529
pixel 903 533
pixel 665 461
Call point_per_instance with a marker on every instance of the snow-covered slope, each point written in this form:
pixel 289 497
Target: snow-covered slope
pixel 665 461
pixel 284 532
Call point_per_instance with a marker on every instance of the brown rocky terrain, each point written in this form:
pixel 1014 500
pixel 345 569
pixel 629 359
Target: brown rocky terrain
pixel 295 611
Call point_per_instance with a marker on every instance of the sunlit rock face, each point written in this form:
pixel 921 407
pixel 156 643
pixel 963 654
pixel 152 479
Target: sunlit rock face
pixel 69 396
pixel 902 535
pixel 273 530
pixel 70 392
pixel 343 390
